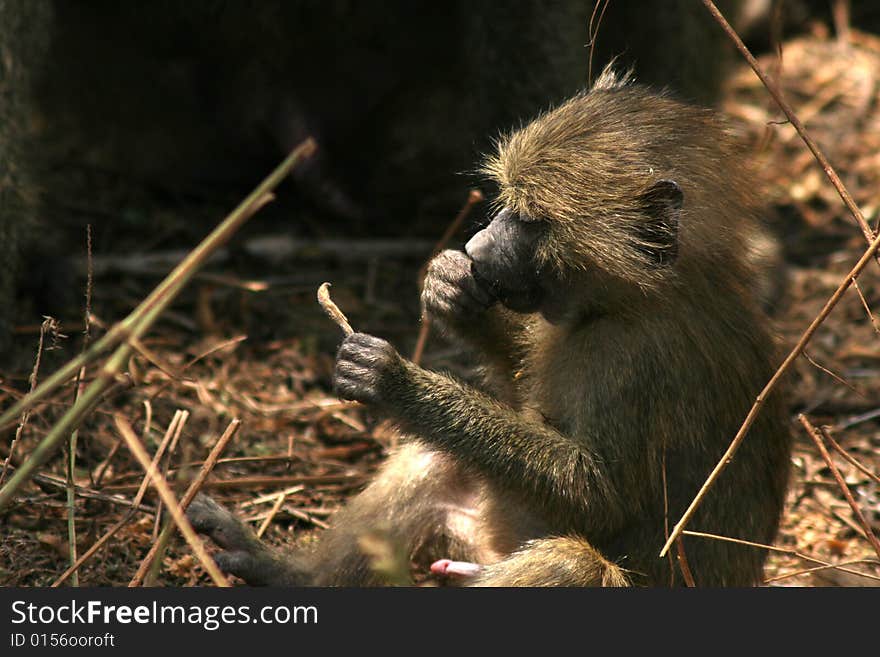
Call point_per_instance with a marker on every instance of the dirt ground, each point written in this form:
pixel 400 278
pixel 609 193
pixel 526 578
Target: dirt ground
pixel 248 341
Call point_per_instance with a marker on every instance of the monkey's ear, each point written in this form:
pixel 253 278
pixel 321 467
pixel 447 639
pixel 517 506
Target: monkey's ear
pixel 658 235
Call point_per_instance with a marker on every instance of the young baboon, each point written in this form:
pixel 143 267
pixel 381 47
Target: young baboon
pixel 613 299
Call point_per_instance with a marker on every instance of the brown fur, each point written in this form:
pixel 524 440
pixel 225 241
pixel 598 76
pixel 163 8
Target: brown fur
pixel 650 367
pixel 593 431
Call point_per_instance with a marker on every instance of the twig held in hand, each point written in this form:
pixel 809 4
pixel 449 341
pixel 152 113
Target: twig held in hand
pixel 332 309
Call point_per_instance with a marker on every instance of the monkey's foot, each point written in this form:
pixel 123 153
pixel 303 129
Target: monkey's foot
pixel 244 554
pixel 455 568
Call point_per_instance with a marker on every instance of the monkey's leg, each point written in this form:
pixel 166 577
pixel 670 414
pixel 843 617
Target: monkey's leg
pixel 553 562
pixel 421 502
pixel 244 554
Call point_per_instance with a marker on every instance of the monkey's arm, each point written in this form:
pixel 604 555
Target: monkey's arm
pixel 460 306
pixel 529 457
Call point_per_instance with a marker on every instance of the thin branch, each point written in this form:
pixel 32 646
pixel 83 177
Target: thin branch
pixel 762 396
pixel 48 324
pixel 808 571
pixel 813 432
pixel 167 496
pixel 474 197
pixel 181 416
pixel 86 493
pixel 129 514
pixel 773 548
pixel 593 33
pixel 188 497
pixel 826 433
pixel 873 319
pixel 773 88
pixel 683 564
pixel 268 482
pixel 262 499
pixel 666 516
pixel 836 377
pixel 332 309
pixel 78 387
pixel 271 515
pixel 134 326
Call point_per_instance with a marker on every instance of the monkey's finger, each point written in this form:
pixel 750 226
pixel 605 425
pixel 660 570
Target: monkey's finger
pixel 256 570
pixel 480 295
pixel 366 350
pixel 223 527
pixel 448 261
pixel 347 369
pixel 365 340
pixel 355 390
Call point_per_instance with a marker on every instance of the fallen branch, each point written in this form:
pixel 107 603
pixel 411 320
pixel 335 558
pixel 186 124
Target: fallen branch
pixel 272 481
pixel 133 327
pixel 759 401
pixel 188 497
pixel 128 515
pixel 813 432
pixel 773 548
pixel 86 493
pixel 167 495
pixel 280 248
pixel 272 513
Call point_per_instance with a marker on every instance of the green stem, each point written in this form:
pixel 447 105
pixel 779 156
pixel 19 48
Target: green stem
pixel 134 326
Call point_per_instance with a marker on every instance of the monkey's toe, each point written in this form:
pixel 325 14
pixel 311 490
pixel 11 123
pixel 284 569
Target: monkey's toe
pixel 225 529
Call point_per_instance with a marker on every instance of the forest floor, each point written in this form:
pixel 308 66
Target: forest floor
pixel 243 343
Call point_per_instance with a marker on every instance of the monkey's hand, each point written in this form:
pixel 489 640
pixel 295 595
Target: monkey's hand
pixel 366 369
pixel 244 554
pixel 451 295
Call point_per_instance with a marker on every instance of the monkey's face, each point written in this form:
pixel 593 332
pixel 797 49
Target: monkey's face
pixel 503 257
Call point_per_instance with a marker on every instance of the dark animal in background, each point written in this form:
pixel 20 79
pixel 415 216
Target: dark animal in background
pixel 613 300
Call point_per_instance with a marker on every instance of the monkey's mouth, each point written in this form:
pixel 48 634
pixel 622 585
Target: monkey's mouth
pixel 517 295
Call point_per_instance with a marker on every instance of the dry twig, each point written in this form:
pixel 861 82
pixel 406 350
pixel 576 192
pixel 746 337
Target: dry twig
pixel 773 548
pixel 48 324
pixel 869 254
pixel 857 512
pixel 475 196
pixel 129 514
pixel 167 496
pixel 332 309
pixel 188 497
pixel 133 327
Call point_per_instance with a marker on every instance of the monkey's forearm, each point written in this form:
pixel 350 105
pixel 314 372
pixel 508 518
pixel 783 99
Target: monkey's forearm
pixel 532 458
